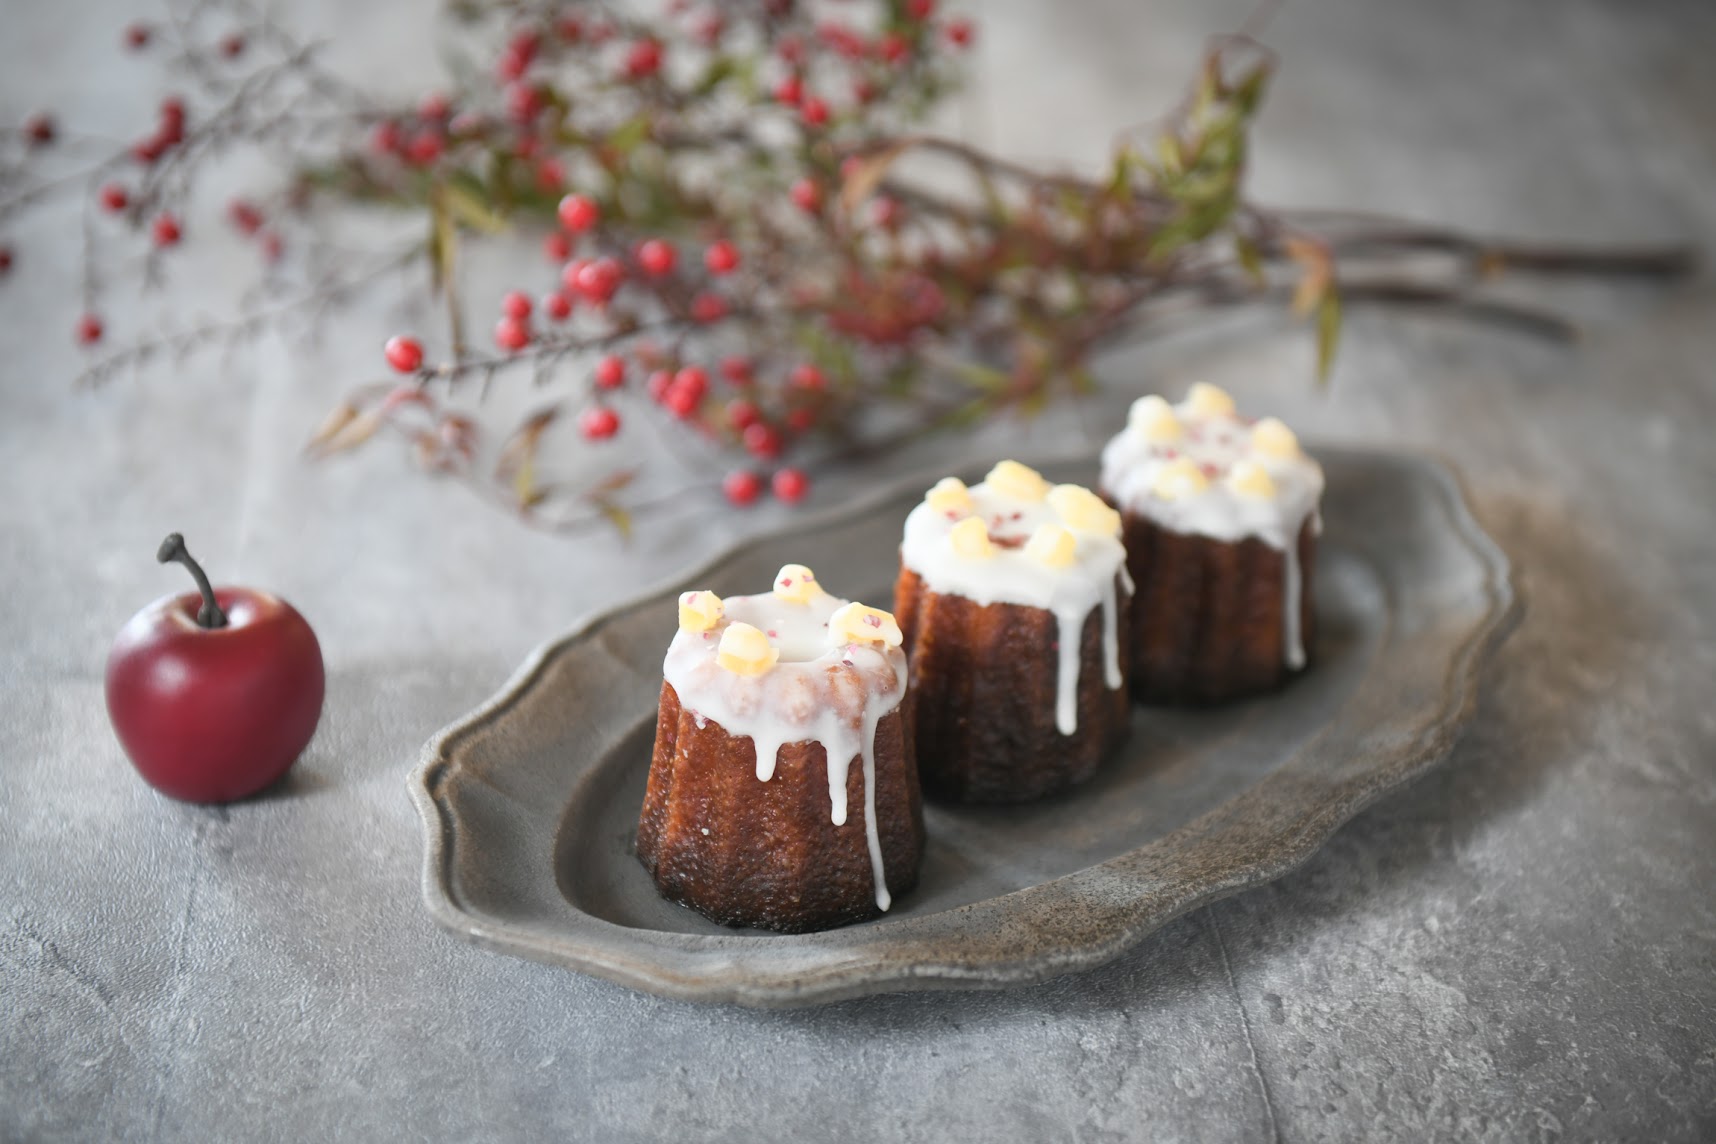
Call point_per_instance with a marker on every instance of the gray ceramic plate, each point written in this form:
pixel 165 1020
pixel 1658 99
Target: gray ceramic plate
pixel 529 804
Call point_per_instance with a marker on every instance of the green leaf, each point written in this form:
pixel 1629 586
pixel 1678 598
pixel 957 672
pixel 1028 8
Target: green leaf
pixel 443 242
pixel 616 516
pixel 983 377
pixel 1328 333
pixel 465 202
pixel 721 69
pixel 628 135
pixel 1251 259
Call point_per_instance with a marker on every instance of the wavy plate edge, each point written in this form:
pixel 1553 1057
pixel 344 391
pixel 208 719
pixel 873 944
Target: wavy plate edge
pixel 1434 740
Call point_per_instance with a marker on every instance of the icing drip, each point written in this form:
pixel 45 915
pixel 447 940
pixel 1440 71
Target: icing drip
pixel 1290 636
pixel 1199 468
pixel 942 546
pixel 822 689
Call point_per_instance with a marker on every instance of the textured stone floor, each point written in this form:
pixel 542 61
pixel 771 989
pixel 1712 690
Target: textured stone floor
pixel 1521 947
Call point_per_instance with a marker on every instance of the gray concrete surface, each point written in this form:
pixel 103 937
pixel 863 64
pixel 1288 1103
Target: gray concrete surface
pixel 1522 947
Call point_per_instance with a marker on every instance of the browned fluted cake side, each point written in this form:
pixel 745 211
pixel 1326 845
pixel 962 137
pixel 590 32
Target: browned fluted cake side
pixel 984 677
pixel 1208 617
pixel 766 854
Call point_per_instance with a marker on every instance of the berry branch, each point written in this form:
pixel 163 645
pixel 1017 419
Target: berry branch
pixel 752 245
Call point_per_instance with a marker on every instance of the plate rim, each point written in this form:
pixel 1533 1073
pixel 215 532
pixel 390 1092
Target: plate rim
pixel 847 979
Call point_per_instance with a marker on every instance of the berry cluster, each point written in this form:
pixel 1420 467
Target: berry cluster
pixel 738 236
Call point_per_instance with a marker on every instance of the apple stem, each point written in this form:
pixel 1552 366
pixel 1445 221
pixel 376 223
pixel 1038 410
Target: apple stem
pixel 172 551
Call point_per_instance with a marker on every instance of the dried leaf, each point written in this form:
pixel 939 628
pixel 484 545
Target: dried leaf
pixel 519 452
pixel 338 418
pixel 868 173
pixel 613 482
pixel 352 434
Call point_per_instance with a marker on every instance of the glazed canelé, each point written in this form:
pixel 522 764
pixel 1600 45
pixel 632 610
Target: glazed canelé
pixel 783 792
pixel 1220 517
pixel 1013 599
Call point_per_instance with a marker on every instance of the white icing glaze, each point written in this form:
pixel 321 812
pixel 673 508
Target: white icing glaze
pixel 820 690
pixel 1010 574
pixel 1139 466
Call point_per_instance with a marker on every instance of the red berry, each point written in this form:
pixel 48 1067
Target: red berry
pixel 762 441
pixel 579 213
pixel 790 49
pixel 681 401
pixel 39 128
pixel 511 334
pixel 147 151
pixel 598 423
pixel 114 197
pixel 425 147
pixel 598 279
pixel 807 195
pixel 657 257
pixel 893 47
pixel 659 383
pixel 272 247
pixel 842 39
pixel 173 111
pixel 800 420
pixel 693 380
pixel 525 43
pixel 166 230
pixel 556 246
pixel 512 65
pixel 742 486
pixel 434 107
pixel 5 260
pixel 137 37
pixel 736 370
pixel 960 32
pixel 569 28
pixel 610 372
pixel 807 376
pixel 557 306
pixel 742 414
pixel 550 175
pixel 89 330
pixel 863 90
pixel 814 112
pixel 643 59
pixel 524 102
pixel 721 257
pixel 404 354
pixel 244 216
pixel 516 304
pixel 920 9
pixel 886 212
pixel 790 485
pixel 706 308
pixel 386 137
pixel 232 46
pixel 789 90
pixel 569 274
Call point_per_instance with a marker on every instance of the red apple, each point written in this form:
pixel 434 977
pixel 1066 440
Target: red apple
pixel 214 694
